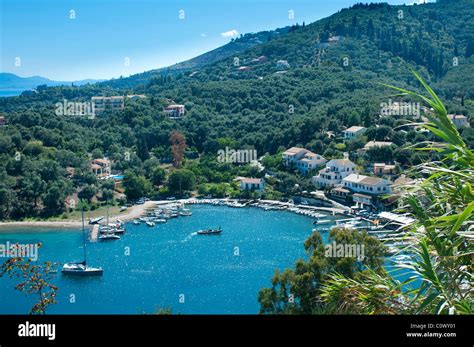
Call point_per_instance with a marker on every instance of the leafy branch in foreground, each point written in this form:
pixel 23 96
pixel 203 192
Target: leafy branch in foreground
pixel 441 250
pixel 34 279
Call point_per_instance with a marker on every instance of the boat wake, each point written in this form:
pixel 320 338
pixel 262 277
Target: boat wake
pixel 189 237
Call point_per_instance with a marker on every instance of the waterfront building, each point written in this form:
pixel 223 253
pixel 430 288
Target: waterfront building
pixel 252 184
pixel 366 184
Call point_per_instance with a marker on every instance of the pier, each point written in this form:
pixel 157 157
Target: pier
pixel 94 233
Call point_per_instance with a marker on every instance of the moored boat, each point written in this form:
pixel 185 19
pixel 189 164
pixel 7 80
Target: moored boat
pixel 109 236
pixel 81 269
pixel 96 220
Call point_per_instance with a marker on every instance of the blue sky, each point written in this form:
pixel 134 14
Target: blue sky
pixel 109 38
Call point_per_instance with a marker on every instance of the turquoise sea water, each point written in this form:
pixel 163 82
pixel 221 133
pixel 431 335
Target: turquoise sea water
pixel 169 261
pixel 10 92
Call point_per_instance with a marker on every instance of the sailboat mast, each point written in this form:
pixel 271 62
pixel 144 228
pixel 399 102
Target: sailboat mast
pixel 83 237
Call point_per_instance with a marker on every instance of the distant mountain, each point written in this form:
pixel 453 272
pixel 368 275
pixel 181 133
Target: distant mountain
pixel 12 81
pixel 230 49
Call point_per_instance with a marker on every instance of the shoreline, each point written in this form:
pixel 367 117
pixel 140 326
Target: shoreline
pixel 135 212
pixel 132 213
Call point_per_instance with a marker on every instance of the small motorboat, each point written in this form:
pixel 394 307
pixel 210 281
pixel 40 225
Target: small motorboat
pixel 185 213
pixel 323 221
pixel 160 220
pixel 96 220
pixel 209 231
pixel 150 223
pixel 136 222
pixel 109 236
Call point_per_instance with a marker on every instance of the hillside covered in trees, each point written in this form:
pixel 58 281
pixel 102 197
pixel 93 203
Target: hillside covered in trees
pixel 313 81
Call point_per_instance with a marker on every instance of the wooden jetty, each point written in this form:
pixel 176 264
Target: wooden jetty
pixel 94 233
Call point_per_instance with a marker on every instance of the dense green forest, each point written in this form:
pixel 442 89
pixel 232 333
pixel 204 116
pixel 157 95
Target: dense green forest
pixel 336 67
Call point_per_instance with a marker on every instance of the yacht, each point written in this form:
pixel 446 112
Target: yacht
pixel 81 268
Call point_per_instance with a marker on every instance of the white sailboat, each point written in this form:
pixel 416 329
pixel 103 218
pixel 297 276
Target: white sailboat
pixel 81 268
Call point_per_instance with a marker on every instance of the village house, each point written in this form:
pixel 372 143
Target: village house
pixel 302 159
pixel 334 172
pixel 374 144
pixel 3 121
pixel 174 111
pixel 101 167
pixel 282 65
pixel 381 169
pixel 252 184
pixel 353 132
pixel 136 96
pixel 102 103
pixel 366 184
pixel 260 59
pixel 365 189
pixel 459 120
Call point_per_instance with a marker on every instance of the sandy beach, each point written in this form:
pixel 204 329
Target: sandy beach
pixel 131 213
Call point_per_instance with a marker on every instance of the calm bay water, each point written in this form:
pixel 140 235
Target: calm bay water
pixel 170 260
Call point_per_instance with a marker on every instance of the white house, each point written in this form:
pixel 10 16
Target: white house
pixel 302 159
pixel 459 120
pixel 353 132
pixel 282 65
pixel 174 111
pixel 102 103
pixel 136 96
pixel 374 144
pixel 366 184
pixel 334 172
pixel 253 184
